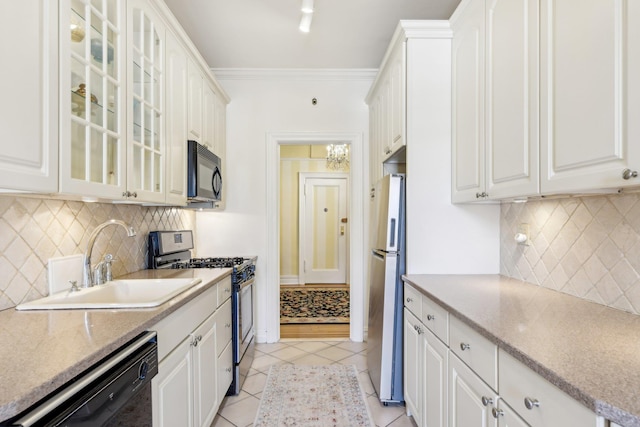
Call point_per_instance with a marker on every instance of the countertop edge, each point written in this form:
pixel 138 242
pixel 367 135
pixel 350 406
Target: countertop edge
pixel 600 407
pixel 26 400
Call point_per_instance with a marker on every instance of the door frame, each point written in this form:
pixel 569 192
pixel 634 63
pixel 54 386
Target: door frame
pixel 357 189
pixel 302 177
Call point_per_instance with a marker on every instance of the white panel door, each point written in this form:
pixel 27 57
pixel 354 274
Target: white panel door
pixel 323 230
pixel 590 97
pixel 511 114
pixel 172 389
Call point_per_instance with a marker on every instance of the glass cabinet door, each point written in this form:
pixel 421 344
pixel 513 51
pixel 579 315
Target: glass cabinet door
pixel 146 145
pixel 91 90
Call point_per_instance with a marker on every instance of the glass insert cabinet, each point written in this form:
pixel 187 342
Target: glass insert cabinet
pixel 111 102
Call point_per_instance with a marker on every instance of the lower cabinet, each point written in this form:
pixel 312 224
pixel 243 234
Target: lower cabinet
pixel 506 416
pixel 194 375
pixel 426 387
pixel 470 398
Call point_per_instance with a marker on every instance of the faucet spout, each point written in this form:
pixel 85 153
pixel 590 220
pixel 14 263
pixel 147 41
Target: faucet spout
pixel 88 279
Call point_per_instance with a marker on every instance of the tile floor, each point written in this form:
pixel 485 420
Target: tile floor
pixel 241 410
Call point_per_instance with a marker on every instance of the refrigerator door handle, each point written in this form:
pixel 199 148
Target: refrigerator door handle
pixel 392 233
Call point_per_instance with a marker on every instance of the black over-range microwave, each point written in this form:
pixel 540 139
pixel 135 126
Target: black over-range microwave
pixel 204 179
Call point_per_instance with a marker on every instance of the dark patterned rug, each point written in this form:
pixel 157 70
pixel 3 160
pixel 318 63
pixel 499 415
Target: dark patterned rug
pixel 306 304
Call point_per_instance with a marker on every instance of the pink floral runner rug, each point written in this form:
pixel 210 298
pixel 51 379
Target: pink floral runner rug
pixel 313 396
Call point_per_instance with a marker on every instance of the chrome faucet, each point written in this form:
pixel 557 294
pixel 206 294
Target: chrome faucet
pixel 88 277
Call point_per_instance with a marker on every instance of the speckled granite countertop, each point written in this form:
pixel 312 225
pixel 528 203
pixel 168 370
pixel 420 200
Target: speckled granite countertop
pixel 590 351
pixel 42 350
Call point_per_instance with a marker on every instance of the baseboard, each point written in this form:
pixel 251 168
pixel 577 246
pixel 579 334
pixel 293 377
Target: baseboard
pixel 289 280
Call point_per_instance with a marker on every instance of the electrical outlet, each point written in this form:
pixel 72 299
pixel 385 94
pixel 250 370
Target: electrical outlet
pixel 523 230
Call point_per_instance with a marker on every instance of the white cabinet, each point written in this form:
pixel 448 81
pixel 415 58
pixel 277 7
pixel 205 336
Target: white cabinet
pixel 413 367
pixel 495 100
pixel 195 86
pixel 29 87
pixel 590 94
pixel 92 98
pixel 195 361
pixel 208 117
pixel 470 398
pixel 146 149
pixel 506 416
pixel 468 103
pixel 176 108
pixel 511 105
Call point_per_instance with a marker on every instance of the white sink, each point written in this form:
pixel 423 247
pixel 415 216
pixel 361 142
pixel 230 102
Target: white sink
pixel 128 293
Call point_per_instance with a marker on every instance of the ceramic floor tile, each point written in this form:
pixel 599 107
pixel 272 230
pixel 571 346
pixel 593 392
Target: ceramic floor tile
pixel 383 415
pixel 403 421
pixel 219 421
pixel 313 346
pixel 312 359
pixel 334 353
pixel 355 347
pixel 288 354
pixel 230 400
pixel 365 383
pixel 268 348
pixel 262 363
pixel 255 383
pixel 242 413
pixel 359 360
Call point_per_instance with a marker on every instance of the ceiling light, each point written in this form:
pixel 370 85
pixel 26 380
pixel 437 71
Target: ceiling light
pixel 307 6
pixel 337 156
pixel 305 22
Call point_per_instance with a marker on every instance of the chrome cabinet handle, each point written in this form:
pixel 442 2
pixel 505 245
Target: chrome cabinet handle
pixel 464 346
pixel 531 403
pixel 430 317
pixel 497 412
pixel 486 401
pixel 628 173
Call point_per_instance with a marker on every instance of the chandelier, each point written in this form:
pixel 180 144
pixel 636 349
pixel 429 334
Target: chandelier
pixel 337 156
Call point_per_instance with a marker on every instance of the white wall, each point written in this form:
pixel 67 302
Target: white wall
pixel 261 103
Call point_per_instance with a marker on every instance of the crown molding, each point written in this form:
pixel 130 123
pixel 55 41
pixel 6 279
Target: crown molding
pixel 297 74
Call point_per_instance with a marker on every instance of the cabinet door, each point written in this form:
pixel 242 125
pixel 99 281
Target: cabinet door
pixel 92 97
pixel 146 145
pixel 468 143
pixel 435 380
pixel 385 119
pixel 507 417
pixel 225 372
pixel 194 114
pixel 172 389
pixel 590 94
pixel 512 98
pixel 413 363
pixel 466 391
pixel 205 372
pixel 176 107
pixel 29 87
pixel 397 102
pixel 209 118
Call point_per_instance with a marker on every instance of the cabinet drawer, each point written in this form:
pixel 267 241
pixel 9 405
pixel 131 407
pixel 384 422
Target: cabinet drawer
pixel 225 371
pixel 223 326
pixel 550 406
pixel 476 351
pixel 224 290
pixel 413 300
pixel 435 318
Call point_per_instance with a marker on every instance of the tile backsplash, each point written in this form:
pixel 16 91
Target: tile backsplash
pixel 584 246
pixel 32 230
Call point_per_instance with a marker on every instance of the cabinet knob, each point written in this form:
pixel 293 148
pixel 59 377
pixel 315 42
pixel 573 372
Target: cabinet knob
pixel 418 329
pixel 464 346
pixel 228 369
pixel 227 290
pixel 628 173
pixel 409 299
pixel 431 317
pixel 531 403
pixel 497 412
pixel 227 325
pixel 486 401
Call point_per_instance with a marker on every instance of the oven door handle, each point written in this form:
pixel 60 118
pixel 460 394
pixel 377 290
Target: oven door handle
pixel 247 283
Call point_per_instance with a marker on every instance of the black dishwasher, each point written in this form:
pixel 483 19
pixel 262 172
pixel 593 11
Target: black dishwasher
pixel 116 392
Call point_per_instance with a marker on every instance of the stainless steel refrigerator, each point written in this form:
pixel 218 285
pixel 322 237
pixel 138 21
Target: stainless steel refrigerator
pixel 384 337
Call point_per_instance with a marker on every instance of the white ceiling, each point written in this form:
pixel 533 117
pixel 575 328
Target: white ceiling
pixel 265 34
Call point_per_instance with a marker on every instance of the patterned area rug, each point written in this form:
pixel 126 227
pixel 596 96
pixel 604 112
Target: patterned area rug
pixel 307 304
pixel 313 396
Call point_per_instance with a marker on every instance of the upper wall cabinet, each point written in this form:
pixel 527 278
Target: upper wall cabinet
pixel 29 87
pixel 92 96
pixel 590 94
pixel 495 100
pixel 145 75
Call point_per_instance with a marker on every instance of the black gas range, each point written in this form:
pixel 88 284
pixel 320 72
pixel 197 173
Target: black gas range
pixel 172 250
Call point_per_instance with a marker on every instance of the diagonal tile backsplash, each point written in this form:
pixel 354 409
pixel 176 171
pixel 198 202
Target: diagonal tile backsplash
pixel 584 246
pixel 32 230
